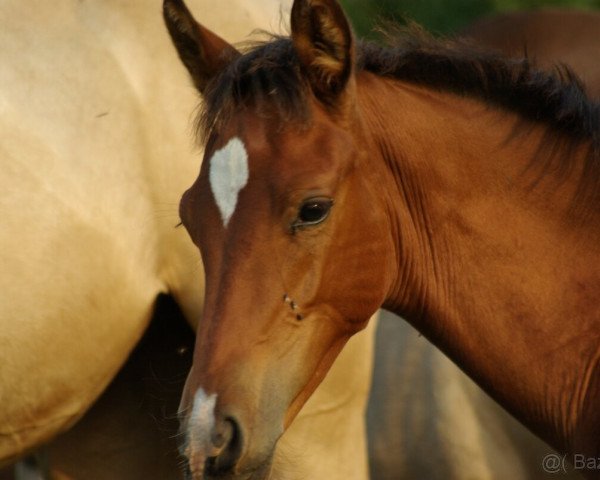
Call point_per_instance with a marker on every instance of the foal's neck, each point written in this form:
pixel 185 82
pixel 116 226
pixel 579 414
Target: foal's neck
pixel 489 268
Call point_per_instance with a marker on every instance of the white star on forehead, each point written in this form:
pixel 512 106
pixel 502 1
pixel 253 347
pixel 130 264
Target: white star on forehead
pixel 228 175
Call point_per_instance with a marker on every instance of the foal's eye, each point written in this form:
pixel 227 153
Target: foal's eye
pixel 313 211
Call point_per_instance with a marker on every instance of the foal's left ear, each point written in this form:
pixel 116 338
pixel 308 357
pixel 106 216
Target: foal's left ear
pixel 324 42
pixel 204 53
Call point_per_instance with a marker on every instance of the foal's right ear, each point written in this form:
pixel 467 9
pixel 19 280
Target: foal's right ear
pixel 203 53
pixel 324 43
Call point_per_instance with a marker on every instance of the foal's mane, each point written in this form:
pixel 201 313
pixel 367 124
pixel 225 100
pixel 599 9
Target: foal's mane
pixel 268 76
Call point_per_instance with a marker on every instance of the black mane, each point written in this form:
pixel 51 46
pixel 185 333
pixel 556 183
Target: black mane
pixel 269 77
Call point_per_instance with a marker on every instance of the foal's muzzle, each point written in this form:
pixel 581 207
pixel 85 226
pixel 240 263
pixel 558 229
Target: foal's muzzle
pixel 214 451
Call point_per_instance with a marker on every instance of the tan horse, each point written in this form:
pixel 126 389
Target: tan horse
pixel 96 152
pixel 447 184
pixel 441 410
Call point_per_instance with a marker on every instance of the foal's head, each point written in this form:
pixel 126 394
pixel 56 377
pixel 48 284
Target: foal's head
pixel 287 226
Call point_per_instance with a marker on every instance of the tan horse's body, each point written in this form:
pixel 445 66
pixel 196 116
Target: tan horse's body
pixel 96 150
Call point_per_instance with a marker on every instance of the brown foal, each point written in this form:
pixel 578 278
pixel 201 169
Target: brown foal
pixel 449 185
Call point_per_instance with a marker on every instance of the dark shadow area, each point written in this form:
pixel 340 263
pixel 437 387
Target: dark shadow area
pixel 130 433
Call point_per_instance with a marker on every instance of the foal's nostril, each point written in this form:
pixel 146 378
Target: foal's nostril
pixel 229 442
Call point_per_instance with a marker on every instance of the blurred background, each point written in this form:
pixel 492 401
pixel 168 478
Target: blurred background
pixel 441 16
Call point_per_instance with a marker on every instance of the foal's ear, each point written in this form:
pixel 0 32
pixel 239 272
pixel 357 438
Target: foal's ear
pixel 323 40
pixel 204 53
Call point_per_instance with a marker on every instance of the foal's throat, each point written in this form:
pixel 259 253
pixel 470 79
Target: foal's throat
pixel 488 268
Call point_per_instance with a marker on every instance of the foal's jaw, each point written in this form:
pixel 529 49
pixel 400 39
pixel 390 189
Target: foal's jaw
pixel 234 431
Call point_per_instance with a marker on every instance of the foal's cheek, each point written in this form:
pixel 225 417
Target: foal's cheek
pixel 354 280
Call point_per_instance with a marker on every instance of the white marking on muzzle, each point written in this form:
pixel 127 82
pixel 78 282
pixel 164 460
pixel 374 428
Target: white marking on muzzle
pixel 200 428
pixel 228 175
